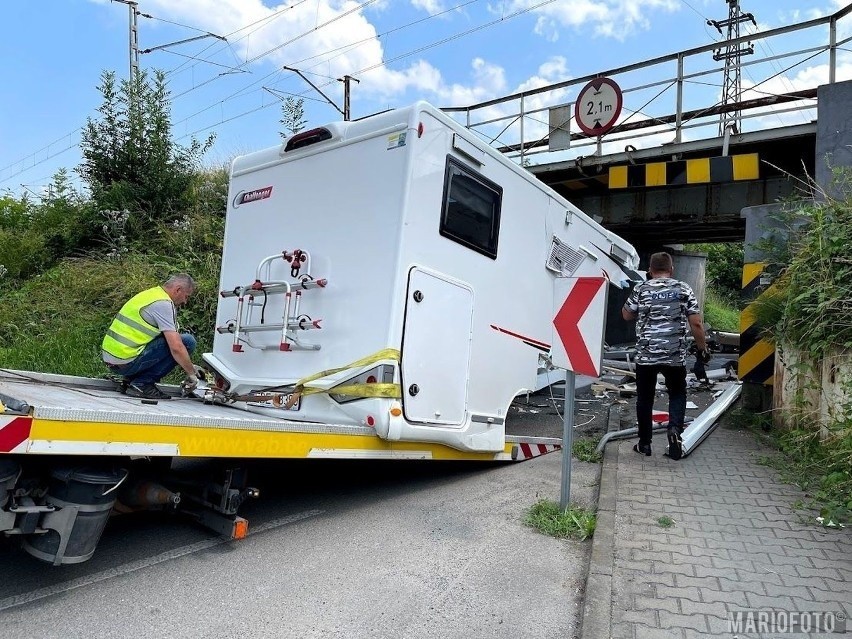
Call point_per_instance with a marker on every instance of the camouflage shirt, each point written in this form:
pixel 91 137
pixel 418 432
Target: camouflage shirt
pixel 662 306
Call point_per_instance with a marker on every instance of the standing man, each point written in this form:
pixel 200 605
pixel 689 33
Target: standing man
pixel 143 344
pixel 663 308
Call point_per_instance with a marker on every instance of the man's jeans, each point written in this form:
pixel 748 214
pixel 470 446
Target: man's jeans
pixel 646 383
pixel 153 363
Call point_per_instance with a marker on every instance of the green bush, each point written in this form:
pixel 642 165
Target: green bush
pixel 724 268
pixel 35 235
pixel 806 309
pixel 130 160
pixel 22 255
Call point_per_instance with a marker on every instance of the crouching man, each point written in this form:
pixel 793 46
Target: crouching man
pixel 143 344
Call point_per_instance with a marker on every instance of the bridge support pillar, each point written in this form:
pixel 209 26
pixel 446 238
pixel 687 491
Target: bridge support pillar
pixel 756 368
pixel 834 132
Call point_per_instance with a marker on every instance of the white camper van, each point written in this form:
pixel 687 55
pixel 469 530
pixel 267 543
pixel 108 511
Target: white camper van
pixel 401 273
pixel 388 286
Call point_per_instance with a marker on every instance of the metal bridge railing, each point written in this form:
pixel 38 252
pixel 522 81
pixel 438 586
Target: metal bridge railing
pixel 665 98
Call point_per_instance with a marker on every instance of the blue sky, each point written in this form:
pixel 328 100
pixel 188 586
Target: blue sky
pixel 449 52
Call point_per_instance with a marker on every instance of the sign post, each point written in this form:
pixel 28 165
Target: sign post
pixel 567 439
pixel 579 323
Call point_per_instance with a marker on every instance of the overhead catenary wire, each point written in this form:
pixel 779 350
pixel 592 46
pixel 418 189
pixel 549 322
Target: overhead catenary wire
pixel 795 64
pixel 775 65
pixel 78 129
pixel 245 90
pixel 231 41
pixel 371 67
pixel 342 49
pixel 760 43
pixel 240 92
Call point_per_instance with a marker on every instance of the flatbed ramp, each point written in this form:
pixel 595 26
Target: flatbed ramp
pixel 85 416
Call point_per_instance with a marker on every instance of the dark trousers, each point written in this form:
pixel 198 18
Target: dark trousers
pixel 154 362
pixel 646 383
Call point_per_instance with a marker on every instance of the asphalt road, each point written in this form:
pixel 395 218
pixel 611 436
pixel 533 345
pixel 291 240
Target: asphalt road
pixel 344 549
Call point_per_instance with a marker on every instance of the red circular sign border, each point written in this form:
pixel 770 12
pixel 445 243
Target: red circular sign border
pixel 619 103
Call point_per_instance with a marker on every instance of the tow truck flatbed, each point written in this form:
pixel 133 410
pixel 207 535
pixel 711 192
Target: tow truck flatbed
pixel 70 415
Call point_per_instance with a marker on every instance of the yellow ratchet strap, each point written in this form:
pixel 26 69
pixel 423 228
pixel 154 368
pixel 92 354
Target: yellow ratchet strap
pixel 392 391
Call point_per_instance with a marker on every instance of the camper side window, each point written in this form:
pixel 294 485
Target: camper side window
pixel 471 213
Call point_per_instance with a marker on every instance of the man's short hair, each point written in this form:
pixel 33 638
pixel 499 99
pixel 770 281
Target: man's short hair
pixel 661 263
pixel 180 279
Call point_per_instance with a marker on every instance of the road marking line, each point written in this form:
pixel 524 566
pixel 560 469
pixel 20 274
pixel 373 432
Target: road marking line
pixel 133 566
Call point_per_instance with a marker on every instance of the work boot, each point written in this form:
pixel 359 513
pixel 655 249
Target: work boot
pixel 673 434
pixel 642 449
pixel 145 391
pixel 120 382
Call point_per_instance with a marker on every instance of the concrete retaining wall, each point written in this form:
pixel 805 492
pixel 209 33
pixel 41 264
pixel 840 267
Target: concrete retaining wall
pixel 812 392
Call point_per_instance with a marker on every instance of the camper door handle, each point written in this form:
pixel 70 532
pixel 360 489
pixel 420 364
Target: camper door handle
pixel 418 296
pixel 413 390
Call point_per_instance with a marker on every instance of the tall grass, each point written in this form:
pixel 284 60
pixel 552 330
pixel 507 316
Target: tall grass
pixel 55 322
pixel 720 314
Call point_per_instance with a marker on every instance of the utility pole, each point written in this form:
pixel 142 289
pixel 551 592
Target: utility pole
pixel 133 6
pixel 346 80
pixel 732 80
pixel 134 37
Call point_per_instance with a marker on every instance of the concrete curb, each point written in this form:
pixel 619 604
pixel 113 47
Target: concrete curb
pixel 597 603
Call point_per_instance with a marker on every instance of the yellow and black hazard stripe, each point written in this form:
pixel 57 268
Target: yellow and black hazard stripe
pixel 757 355
pixel 728 168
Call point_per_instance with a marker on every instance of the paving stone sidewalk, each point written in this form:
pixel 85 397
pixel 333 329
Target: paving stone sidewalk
pixel 736 544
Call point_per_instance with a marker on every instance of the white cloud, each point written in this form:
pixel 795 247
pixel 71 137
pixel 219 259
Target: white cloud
pixel 319 38
pixel 547 28
pixel 608 18
pixel 505 128
pixel 489 76
pixel 555 69
pixel 431 7
pixel 335 37
pixel 812 13
pixel 805 79
pixel 329 37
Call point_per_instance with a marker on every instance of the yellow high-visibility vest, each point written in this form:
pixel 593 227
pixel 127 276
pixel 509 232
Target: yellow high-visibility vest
pixel 129 333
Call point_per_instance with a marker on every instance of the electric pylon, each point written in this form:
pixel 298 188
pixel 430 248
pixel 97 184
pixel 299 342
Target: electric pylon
pixel 731 54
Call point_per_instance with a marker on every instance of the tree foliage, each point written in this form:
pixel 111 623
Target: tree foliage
pixel 35 234
pixel 292 116
pixel 724 268
pixel 130 160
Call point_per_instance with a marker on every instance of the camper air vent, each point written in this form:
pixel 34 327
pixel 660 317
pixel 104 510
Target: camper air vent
pixel 563 259
pixel 307 138
pixel 619 254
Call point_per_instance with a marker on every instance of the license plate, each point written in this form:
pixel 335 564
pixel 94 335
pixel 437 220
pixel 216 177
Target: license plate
pixel 279 401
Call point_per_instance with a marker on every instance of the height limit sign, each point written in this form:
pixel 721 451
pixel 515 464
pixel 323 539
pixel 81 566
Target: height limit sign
pixel 598 106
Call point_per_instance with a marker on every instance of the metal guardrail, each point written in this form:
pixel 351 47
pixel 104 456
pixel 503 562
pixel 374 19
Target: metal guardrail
pixel 519 124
